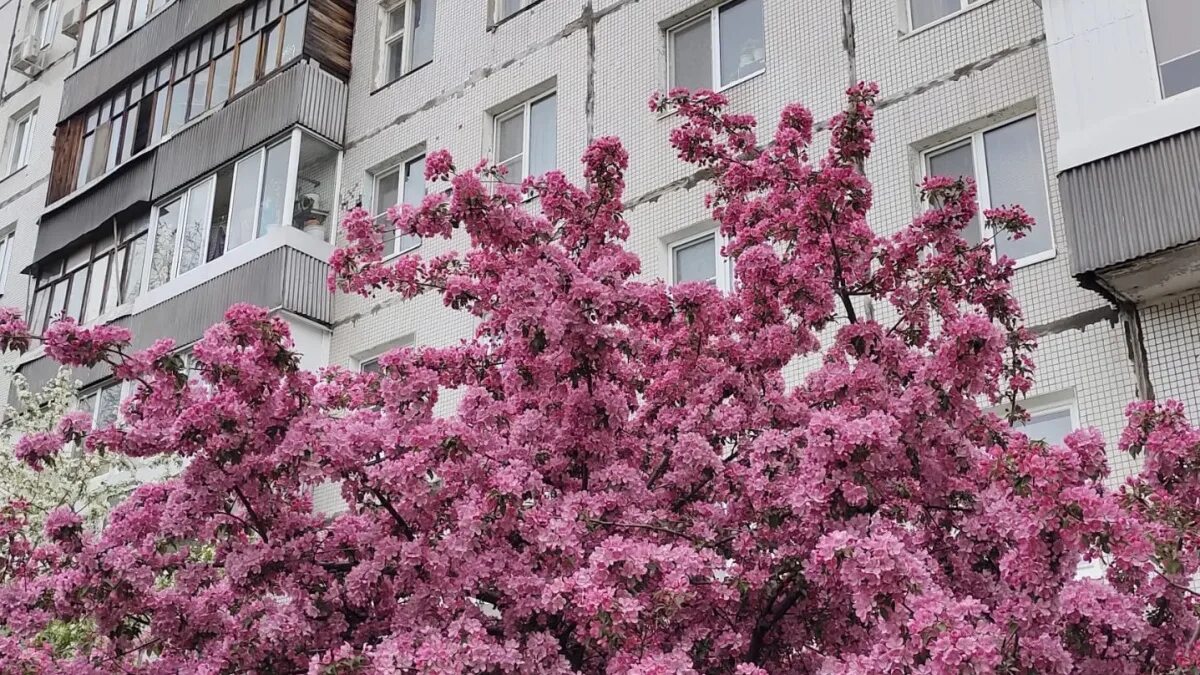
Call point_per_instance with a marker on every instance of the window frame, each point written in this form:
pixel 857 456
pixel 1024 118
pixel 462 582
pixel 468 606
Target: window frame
pixel 174 75
pixel 724 266
pixel 6 245
pixel 124 240
pixel 963 6
pixel 407 36
pixel 713 16
pixel 496 19
pixel 133 19
pixel 1064 401
pixel 94 392
pixel 983 188
pixel 524 108
pixel 1156 66
pixel 401 169
pixel 44 27
pixel 14 162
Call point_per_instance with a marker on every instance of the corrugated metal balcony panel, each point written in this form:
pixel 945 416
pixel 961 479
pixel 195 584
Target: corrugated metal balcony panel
pixel 145 44
pixel 301 94
pixel 126 188
pixel 1133 204
pixel 284 279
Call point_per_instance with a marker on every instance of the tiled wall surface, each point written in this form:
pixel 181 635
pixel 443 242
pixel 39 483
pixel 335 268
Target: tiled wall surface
pixel 605 57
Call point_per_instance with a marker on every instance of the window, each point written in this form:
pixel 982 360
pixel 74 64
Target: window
pixel 699 258
pixel 719 48
pixel 20 135
pixel 103 403
pixel 42 17
pixel 526 138
pixel 6 244
pixel 924 12
pixel 1006 163
pixel 406 38
pixel 370 365
pixel 108 20
pixel 502 9
pixel 91 280
pixel 189 82
pixel 404 184
pixel 1050 423
pixel 1173 24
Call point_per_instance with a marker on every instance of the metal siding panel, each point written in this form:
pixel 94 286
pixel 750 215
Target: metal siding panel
pixel 300 94
pixel 281 279
pixel 1133 204
pixel 89 211
pixel 305 291
pixel 156 37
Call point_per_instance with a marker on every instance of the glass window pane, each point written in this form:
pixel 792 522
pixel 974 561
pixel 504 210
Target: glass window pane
pixel 199 93
pixel 270 215
pixel 135 259
pixel 100 147
pixel 104 34
pixel 395 20
pixel 179 106
pixel 77 292
pixel 1180 75
pixel 395 58
pixel 222 198
pixel 422 38
pixel 958 162
pixel 1051 427
pixel 543 142
pixel 114 145
pixel 928 11
pixel 696 261
pixel 97 284
pixel 244 201
pixel 247 59
pixel 164 244
pixel 160 115
pixel 510 136
pixel 743 47
pixel 691 55
pixel 222 76
pixel 270 57
pixel 414 193
pixel 387 190
pixel 195 227
pixel 108 405
pixel 506 7
pixel 1176 28
pixel 124 12
pixel 37 316
pixel 293 34
pixel 1016 176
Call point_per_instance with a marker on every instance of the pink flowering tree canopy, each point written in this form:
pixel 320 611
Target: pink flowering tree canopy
pixel 615 475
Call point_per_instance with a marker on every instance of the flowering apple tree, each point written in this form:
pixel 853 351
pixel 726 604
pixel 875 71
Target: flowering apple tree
pixel 619 477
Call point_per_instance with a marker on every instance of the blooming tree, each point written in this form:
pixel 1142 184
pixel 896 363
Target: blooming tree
pixel 87 482
pixel 623 479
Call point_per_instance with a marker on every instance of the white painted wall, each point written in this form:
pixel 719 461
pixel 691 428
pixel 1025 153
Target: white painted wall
pixel 311 342
pixel 1106 80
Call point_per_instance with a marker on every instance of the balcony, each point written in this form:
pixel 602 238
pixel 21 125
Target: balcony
pixel 1133 219
pixel 300 96
pixel 285 270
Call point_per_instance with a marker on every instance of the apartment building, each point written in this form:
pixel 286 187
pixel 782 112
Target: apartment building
pixel 205 156
pixel 38 58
